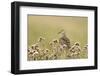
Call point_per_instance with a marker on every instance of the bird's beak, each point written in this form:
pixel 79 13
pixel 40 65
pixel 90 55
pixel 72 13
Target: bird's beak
pixel 58 32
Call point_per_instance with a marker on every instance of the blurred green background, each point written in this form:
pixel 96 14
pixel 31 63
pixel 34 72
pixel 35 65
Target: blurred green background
pixel 49 26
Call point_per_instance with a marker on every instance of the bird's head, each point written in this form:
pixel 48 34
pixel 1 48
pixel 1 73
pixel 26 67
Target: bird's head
pixel 62 33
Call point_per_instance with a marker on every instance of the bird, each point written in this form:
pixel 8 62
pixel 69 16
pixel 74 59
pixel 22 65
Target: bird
pixel 64 40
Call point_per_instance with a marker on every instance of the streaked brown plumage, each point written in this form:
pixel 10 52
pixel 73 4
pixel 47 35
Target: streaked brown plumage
pixel 64 39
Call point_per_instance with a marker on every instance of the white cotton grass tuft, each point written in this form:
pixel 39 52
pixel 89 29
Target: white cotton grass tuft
pixel 55 41
pixel 85 47
pixel 53 50
pixel 41 39
pixel 77 43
